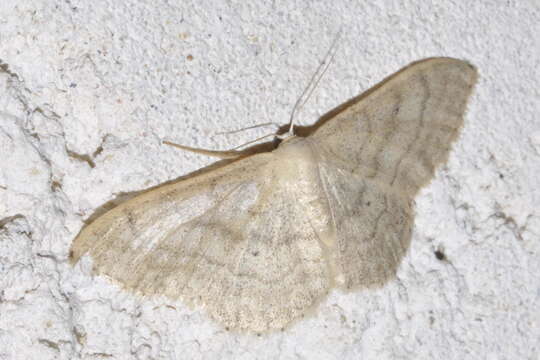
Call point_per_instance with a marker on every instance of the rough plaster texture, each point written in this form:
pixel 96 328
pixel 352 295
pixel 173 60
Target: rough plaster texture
pixel 89 89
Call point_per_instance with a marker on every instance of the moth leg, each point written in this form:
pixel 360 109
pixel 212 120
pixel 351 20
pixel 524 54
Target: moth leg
pixel 227 154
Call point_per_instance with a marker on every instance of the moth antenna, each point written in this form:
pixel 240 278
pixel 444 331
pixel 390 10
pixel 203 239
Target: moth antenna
pixel 314 81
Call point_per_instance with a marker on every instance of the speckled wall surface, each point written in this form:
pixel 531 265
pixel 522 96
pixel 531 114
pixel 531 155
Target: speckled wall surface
pixel 88 90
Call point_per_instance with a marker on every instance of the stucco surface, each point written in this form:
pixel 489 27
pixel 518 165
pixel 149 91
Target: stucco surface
pixel 88 90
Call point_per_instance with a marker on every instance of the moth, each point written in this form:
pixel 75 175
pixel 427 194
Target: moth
pixel 262 240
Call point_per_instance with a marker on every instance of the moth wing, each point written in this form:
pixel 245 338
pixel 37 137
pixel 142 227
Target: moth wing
pixel 378 152
pixel 232 240
pixel 401 129
pixel 373 227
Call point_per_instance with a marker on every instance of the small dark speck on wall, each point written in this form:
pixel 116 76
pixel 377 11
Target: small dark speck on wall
pixel 440 255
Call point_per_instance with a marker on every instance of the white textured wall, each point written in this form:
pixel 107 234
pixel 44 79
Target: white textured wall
pixel 89 88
